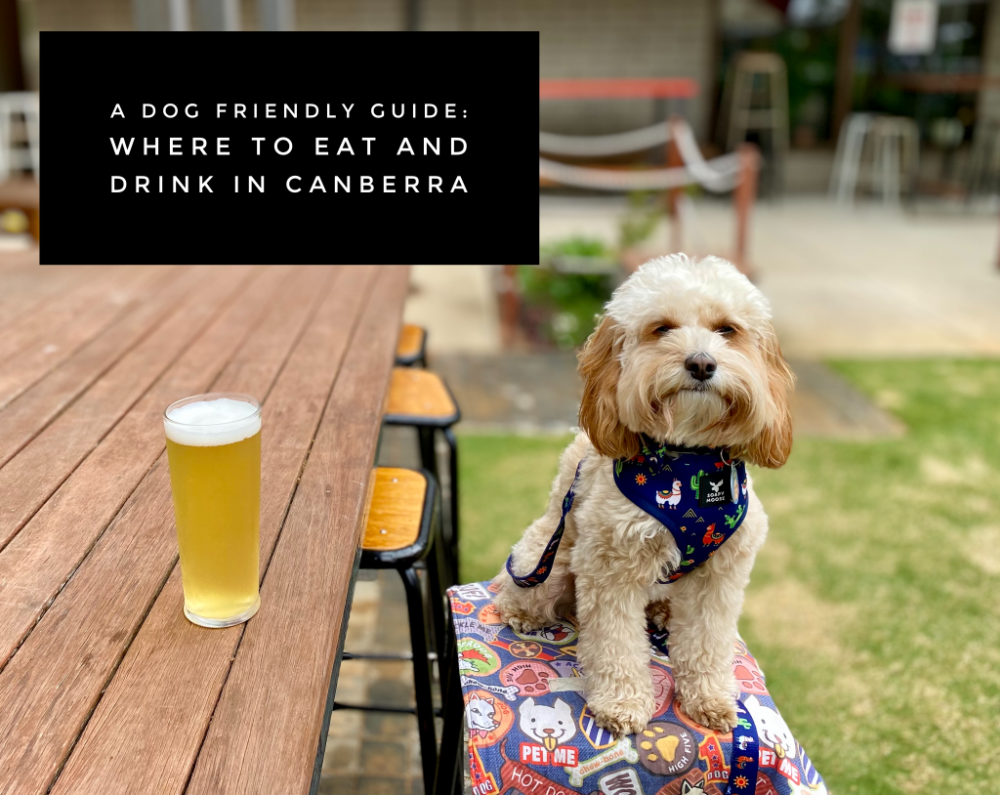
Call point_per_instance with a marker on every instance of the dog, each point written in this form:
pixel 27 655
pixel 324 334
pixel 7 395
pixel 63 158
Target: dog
pixel 685 355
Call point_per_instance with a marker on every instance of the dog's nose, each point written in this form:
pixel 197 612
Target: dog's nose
pixel 701 366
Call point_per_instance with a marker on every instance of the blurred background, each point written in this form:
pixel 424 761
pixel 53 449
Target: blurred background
pixel 846 155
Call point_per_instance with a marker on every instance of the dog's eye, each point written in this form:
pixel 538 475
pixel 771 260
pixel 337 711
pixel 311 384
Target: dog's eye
pixel 725 330
pixel 661 330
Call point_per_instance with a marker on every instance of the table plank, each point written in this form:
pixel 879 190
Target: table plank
pixel 157 707
pixel 52 544
pixel 34 409
pixel 265 732
pixel 66 306
pixel 29 478
pixel 26 283
pixel 52 683
pixel 58 343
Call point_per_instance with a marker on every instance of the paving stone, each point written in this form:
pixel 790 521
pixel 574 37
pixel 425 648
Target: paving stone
pixel 387 724
pixel 379 757
pixel 384 786
pixel 338 785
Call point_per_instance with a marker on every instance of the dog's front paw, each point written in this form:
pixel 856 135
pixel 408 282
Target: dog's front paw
pixel 622 716
pixel 514 615
pixel 717 712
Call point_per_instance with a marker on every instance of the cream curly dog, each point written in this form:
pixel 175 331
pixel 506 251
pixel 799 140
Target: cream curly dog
pixel 686 355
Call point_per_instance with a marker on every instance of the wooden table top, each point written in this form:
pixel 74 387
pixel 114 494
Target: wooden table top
pixel 105 687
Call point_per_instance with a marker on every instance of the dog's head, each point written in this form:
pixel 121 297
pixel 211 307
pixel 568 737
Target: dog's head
pixel 686 353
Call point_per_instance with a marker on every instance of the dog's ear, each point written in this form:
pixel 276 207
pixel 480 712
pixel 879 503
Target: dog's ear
pixel 600 369
pixel 772 446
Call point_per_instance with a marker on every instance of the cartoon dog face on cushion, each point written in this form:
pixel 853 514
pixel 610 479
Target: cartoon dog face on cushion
pixel 771 728
pixel 550 726
pixel 481 713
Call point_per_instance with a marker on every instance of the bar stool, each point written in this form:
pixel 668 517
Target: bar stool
pixel 403 520
pixel 421 399
pixel 760 74
pixel 894 142
pixel 411 349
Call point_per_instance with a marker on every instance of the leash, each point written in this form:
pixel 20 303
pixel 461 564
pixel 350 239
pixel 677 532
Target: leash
pixel 541 571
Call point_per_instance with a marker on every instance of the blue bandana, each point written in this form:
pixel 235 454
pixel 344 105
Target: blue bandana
pixel 698 494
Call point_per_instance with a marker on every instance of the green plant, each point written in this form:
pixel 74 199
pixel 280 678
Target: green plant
pixel 566 303
pixel 640 220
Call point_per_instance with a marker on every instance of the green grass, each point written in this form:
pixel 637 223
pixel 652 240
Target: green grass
pixel 874 607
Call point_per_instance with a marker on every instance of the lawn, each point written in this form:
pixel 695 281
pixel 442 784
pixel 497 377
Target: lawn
pixel 874 607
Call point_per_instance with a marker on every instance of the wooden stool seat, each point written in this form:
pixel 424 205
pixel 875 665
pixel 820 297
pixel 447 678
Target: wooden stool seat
pixel 412 344
pixel 419 397
pixel 397 509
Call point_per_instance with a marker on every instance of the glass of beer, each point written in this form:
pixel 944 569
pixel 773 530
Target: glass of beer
pixel 213 444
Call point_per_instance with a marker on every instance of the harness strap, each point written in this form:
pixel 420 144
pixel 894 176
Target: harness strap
pixel 541 572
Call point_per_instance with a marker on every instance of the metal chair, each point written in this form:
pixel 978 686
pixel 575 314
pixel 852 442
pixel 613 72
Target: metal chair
pixel 894 142
pixel 23 104
pixel 403 521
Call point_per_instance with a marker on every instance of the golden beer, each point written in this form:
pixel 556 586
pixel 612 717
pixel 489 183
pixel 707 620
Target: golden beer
pixel 213 444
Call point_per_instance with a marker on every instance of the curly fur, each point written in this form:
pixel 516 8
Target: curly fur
pixel 612 553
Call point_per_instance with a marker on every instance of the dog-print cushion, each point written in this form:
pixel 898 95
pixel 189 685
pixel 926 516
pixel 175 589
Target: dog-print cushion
pixel 530 730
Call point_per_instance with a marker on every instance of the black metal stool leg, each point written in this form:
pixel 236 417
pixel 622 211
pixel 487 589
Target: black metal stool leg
pixel 453 550
pixel 421 677
pixel 450 762
pixel 428 456
pixel 437 572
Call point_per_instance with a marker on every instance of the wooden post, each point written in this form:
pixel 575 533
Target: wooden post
pixel 509 309
pixel 744 197
pixel 846 46
pixel 674 160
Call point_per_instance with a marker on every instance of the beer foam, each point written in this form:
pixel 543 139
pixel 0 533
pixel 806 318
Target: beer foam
pixel 212 423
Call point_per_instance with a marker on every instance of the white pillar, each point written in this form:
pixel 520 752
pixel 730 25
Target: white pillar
pixel 217 15
pixel 160 15
pixel 276 14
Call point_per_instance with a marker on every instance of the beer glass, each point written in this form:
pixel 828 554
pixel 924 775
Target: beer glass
pixel 213 445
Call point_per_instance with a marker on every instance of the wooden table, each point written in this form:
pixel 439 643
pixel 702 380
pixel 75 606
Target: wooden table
pixel 105 687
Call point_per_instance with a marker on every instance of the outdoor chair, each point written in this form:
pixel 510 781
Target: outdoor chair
pixel 513 687
pixel 411 349
pixel 420 399
pixel 403 520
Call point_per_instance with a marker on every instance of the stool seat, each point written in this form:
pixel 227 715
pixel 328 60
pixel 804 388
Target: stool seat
pixel 530 729
pixel 396 513
pixel 419 397
pixel 411 346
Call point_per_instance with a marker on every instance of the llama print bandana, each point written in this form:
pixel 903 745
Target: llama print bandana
pixel 696 493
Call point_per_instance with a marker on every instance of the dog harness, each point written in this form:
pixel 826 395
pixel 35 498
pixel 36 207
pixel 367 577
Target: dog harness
pixel 698 494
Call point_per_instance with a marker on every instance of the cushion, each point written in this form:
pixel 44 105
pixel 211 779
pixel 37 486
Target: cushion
pixel 508 679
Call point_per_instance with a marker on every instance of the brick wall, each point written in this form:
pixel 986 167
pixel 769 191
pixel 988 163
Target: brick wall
pixel 579 38
pixel 597 38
